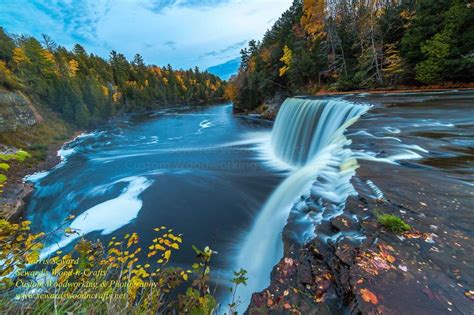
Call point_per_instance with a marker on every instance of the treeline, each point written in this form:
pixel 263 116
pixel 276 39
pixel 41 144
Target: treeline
pixel 343 45
pixel 86 89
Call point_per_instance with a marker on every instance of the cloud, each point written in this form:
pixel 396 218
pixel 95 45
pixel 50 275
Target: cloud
pixel 183 33
pixel 231 48
pixel 79 19
pixel 159 5
pixel 170 44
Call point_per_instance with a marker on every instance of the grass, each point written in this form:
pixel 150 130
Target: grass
pixel 393 223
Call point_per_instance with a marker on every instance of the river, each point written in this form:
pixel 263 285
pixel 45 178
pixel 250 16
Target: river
pixel 218 178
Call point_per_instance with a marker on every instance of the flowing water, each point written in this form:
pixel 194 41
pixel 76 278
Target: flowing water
pixel 231 182
pixel 308 135
pixel 196 170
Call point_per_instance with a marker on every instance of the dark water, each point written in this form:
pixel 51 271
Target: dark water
pixel 195 170
pixel 433 131
pixel 420 150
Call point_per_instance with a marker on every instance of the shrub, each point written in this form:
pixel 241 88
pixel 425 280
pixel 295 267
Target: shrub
pixel 393 223
pixel 119 282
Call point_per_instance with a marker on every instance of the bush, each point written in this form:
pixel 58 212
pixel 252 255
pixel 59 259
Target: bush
pixel 111 273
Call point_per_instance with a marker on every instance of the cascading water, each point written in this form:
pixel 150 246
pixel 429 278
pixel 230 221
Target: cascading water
pixel 308 136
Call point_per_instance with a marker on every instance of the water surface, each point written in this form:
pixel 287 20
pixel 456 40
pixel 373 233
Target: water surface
pixel 196 170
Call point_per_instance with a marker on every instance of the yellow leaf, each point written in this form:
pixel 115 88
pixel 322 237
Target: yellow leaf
pixel 32 257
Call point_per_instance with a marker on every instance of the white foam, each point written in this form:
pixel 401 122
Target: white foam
pixel 392 159
pixel 378 192
pixel 108 216
pixel 415 147
pixel 392 129
pixel 205 124
pixel 35 177
pixel 175 138
pixel 63 155
pixel 153 140
pixel 365 133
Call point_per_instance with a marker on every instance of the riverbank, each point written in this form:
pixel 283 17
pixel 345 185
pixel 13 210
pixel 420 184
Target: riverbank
pixel 16 190
pixel 402 89
pixel 269 109
pixel 370 270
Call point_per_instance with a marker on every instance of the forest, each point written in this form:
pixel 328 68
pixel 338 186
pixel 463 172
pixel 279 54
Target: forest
pixel 341 45
pixel 86 89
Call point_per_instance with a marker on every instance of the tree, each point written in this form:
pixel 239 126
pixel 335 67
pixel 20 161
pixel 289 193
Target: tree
pixel 440 51
pixel 393 66
pixel 313 18
pixel 7 78
pixel 427 22
pixel 86 89
pixel 82 116
pixel 286 59
pixel 6 46
pixel 19 58
pixel 49 43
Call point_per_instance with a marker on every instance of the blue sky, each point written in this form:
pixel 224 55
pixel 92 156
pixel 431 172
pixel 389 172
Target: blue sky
pixel 183 33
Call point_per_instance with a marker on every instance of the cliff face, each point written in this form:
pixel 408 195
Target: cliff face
pixel 18 116
pixel 16 111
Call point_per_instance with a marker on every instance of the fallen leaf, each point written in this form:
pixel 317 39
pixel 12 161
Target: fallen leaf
pixel 469 294
pixel 390 258
pixel 368 296
pixel 320 298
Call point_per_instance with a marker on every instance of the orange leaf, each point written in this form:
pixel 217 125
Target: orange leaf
pixel 368 296
pixel 390 258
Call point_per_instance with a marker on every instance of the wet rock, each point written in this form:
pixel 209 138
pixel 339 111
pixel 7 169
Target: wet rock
pixel 345 222
pixel 345 251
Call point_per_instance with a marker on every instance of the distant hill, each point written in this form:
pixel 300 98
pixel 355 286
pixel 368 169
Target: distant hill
pixel 227 69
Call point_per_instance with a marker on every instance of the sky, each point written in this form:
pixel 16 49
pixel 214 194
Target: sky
pixel 183 33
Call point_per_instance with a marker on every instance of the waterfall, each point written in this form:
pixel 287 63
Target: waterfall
pixel 308 135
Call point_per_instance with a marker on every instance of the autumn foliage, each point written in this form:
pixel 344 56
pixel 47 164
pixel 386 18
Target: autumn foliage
pixel 120 277
pixel 341 45
pixel 86 89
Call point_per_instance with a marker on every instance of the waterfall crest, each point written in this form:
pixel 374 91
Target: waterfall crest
pixel 308 135
pixel 303 127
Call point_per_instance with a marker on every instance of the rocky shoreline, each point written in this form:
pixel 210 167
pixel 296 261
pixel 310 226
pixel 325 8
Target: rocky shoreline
pixel 370 270
pixel 17 191
pixel 357 266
